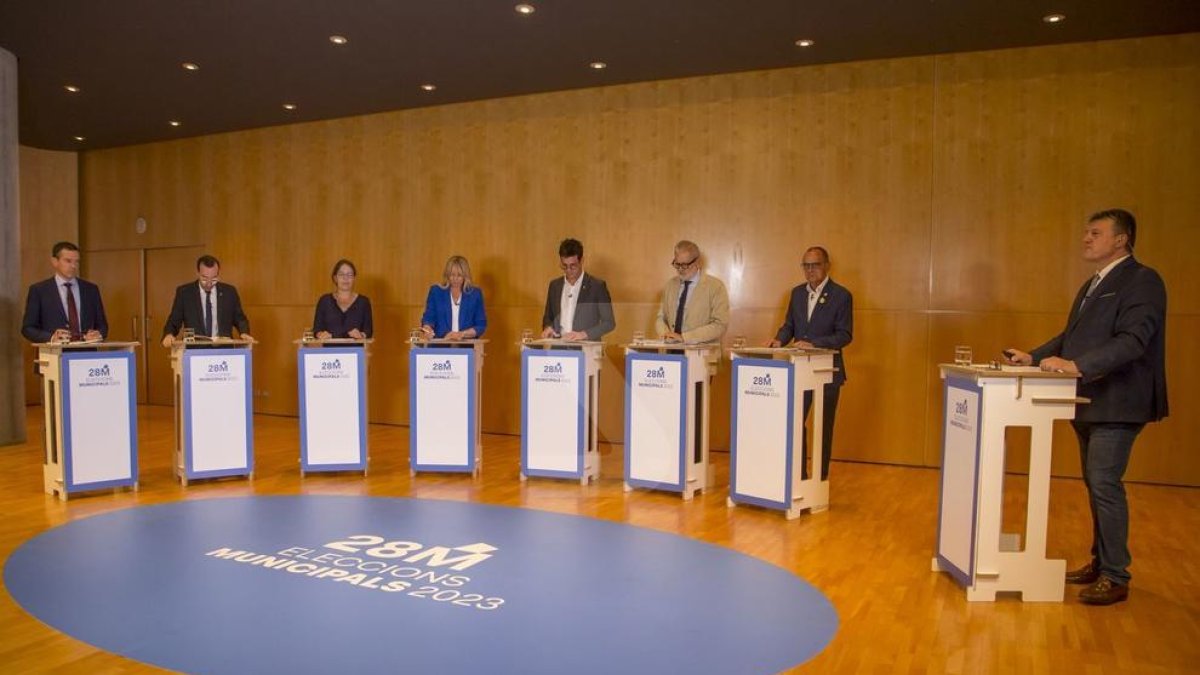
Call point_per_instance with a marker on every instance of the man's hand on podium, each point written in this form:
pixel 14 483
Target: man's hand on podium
pixel 548 332
pixel 93 336
pixel 1055 364
pixel 1016 357
pixel 574 336
pixel 672 336
pixel 773 343
pixel 247 337
pixel 168 340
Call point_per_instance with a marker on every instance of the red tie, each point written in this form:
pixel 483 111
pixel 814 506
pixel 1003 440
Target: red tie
pixel 72 314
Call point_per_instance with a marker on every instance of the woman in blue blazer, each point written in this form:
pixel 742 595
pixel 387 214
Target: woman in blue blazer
pixel 454 308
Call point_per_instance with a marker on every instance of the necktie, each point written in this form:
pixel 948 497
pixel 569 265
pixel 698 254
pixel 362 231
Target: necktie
pixel 1091 289
pixel 72 313
pixel 208 314
pixel 679 310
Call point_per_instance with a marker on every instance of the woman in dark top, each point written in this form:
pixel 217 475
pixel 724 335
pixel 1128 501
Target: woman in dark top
pixel 343 313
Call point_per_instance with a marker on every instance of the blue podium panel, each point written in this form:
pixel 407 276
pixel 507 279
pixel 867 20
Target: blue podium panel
pixel 100 420
pixel 333 408
pixel 553 415
pixel 761 456
pixel 656 421
pixel 959 501
pixel 442 409
pixel 218 424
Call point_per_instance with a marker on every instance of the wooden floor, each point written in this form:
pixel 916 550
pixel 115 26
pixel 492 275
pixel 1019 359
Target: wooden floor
pixel 870 554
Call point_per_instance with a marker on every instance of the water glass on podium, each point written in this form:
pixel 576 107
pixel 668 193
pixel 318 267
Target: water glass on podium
pixel 962 355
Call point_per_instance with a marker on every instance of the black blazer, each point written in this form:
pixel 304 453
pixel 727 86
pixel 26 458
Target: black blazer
pixel 186 311
pixel 44 311
pixel 831 326
pixel 1118 342
pixel 593 311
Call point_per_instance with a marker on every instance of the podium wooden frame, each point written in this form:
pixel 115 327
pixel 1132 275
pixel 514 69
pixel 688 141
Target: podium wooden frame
pixel 688 446
pixel 750 448
pixel 356 425
pixel 980 403
pixel 585 448
pixel 474 350
pixel 182 353
pixel 60 445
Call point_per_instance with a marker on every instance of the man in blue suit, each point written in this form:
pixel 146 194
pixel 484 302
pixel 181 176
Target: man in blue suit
pixel 820 314
pixel 1115 339
pixel 64 306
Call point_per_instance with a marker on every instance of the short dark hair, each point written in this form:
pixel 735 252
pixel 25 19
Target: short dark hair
pixel 338 265
pixel 62 246
pixel 1123 223
pixel 207 260
pixel 821 250
pixel 569 248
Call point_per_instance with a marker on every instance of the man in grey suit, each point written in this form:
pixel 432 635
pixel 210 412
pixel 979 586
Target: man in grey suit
pixel 820 314
pixel 578 306
pixel 1115 339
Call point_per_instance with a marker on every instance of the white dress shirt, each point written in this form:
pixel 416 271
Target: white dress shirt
pixel 62 294
pixel 204 310
pixel 455 305
pixel 814 295
pixel 567 303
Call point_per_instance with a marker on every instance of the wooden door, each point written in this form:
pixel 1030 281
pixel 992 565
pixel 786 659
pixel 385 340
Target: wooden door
pixel 119 275
pixel 166 268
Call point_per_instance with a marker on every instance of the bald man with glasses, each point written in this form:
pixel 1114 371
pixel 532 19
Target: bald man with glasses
pixel 695 305
pixel 820 314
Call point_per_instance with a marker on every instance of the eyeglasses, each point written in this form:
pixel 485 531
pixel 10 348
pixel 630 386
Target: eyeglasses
pixel 570 266
pixel 681 266
pixel 345 275
pixel 812 266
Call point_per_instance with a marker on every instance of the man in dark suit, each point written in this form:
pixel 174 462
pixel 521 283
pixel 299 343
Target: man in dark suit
pixel 578 306
pixel 209 307
pixel 64 306
pixel 1115 340
pixel 820 314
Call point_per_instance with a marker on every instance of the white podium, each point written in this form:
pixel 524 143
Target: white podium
pixel 666 415
pixel 214 420
pixel 766 452
pixel 89 395
pixel 560 388
pixel 333 404
pixel 980 402
pixel 444 403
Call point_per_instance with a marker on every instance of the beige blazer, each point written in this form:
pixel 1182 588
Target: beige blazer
pixel 706 316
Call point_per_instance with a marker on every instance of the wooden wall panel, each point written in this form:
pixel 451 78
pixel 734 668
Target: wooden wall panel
pixel 49 213
pixel 949 190
pixel 1030 142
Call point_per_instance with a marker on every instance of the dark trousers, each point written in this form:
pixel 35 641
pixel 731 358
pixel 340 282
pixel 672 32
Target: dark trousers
pixel 1104 450
pixel 831 400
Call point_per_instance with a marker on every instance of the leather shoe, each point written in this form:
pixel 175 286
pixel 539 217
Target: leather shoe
pixel 1088 574
pixel 1104 592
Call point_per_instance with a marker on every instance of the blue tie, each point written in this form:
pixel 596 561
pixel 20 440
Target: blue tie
pixel 679 310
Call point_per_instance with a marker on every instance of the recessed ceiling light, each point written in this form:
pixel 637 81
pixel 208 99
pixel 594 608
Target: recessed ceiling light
pixel 188 65
pixel 804 43
pixel 525 8
pixel 338 39
pixel 289 106
pixel 597 65
pixel 174 123
pixel 79 139
pixel 1054 18
pixel 71 88
pixel 429 87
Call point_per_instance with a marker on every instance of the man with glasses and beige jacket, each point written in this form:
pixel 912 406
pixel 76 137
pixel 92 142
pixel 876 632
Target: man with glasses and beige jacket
pixel 695 305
